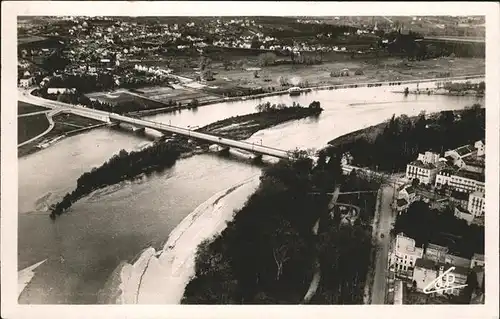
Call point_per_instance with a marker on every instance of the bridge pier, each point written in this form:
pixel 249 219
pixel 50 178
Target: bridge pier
pixel 138 130
pixel 257 158
pixel 114 124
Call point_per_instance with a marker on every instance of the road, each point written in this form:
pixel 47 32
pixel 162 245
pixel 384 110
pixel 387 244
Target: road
pixel 49 115
pixel 386 217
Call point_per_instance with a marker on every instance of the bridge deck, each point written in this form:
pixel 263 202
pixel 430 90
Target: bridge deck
pixel 255 148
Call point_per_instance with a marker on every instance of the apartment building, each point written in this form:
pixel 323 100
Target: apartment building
pixel 404 255
pixel 424 168
pixel 476 204
pixel 460 180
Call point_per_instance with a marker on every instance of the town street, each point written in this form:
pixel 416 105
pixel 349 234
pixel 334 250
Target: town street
pixel 386 218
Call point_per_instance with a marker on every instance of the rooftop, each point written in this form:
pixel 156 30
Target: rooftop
pixel 425 263
pixel 401 202
pixel 478 257
pixel 471 175
pixel 474 161
pixel 429 264
pixel 437 247
pixel 421 164
pixel 464 150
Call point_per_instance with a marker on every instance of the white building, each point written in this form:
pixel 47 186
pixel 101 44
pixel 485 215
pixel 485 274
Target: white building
pixel 461 180
pixel 426 271
pixel 435 252
pixel 476 204
pixel 459 154
pixel 462 213
pixel 26 82
pixel 425 172
pixel 404 255
pixel 477 260
pixel 480 147
pixel 428 157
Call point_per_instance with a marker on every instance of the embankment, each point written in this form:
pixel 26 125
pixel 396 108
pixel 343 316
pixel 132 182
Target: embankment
pixel 160 277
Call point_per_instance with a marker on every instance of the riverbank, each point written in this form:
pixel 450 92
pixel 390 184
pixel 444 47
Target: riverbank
pixel 304 90
pixel 244 126
pixel 173 266
pixel 33 147
pixel 392 144
pixel 61 125
pixel 163 155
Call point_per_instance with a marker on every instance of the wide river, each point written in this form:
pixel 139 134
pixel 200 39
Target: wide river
pixel 84 246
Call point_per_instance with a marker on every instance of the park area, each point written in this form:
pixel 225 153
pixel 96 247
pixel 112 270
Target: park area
pixel 26 108
pixel 30 126
pixel 152 98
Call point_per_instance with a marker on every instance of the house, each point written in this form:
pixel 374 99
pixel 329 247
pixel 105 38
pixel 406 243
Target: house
pixel 476 204
pixel 410 193
pixel 404 255
pixel 463 214
pixel 26 82
pixel 435 252
pixel 426 271
pixel 457 261
pixel 480 147
pixel 477 261
pixel 60 90
pixel 460 153
pixel 425 172
pixel 428 157
pixel 402 205
pixel 475 165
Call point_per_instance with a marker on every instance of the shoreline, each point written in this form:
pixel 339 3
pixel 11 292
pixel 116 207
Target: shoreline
pixel 174 265
pixel 166 110
pixel 303 90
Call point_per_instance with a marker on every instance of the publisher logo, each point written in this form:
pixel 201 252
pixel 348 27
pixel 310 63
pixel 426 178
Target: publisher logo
pixel 444 282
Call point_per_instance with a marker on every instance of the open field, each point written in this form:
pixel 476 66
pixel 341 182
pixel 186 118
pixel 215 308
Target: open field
pixel 126 101
pixel 314 75
pixel 168 95
pixel 63 125
pixel 74 121
pixel 26 108
pixel 30 126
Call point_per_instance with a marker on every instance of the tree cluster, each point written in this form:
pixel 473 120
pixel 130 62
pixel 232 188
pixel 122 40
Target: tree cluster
pixel 426 226
pixel 268 253
pixel 120 167
pixel 403 138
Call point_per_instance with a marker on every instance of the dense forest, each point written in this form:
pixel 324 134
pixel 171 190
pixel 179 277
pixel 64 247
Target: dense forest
pixel 268 253
pixel 426 226
pixel 403 138
pixel 120 167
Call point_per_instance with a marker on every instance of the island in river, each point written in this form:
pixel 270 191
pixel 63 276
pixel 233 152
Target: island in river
pixel 163 154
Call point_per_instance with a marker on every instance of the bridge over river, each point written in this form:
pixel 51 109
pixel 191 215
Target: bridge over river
pixel 113 118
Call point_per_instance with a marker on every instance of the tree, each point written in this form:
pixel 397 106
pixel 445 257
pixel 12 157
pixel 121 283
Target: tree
pixel 207 75
pixel 415 182
pixel 283 80
pixel 266 59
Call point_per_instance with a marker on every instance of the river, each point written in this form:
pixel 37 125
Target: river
pixel 84 246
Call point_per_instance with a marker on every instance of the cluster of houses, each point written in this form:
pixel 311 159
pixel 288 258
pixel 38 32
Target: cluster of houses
pixel 460 173
pixel 421 267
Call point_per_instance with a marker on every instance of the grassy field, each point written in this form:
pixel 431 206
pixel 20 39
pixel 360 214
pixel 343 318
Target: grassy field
pixel 316 75
pixel 185 95
pixel 30 126
pixel 74 121
pixel 26 108
pixel 63 124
